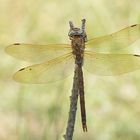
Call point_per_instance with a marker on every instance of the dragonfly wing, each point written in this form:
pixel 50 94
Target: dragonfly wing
pixel 115 41
pixel 37 53
pixel 49 71
pixel 111 64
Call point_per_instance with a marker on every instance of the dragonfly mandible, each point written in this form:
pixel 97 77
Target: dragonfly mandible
pixel 59 60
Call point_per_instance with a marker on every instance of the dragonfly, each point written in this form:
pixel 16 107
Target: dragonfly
pixel 59 60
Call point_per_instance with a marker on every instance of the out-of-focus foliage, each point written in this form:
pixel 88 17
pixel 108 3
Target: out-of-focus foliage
pixel 39 112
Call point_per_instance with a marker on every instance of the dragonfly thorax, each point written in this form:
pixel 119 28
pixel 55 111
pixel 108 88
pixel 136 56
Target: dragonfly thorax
pixel 78 46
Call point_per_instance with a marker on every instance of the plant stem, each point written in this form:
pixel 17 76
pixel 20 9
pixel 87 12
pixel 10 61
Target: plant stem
pixel 73 107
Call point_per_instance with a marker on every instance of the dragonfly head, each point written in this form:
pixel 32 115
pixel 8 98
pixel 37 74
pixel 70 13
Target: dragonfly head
pixel 77 32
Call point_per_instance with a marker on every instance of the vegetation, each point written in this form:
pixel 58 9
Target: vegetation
pixel 40 112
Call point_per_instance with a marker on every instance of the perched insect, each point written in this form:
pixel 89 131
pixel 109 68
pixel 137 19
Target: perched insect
pixel 60 59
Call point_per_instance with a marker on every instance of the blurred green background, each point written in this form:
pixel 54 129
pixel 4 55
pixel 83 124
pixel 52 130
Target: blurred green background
pixel 40 112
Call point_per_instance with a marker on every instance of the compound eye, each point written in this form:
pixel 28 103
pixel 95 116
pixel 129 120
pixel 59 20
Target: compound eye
pixel 70 34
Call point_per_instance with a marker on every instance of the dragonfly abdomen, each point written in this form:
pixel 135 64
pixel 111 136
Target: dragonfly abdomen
pixel 82 97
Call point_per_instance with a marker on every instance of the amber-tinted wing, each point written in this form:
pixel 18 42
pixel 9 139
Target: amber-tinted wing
pixel 49 71
pixel 115 41
pixel 111 64
pixel 37 53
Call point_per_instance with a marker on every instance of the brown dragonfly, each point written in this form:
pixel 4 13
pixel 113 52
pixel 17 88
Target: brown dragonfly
pixel 60 59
